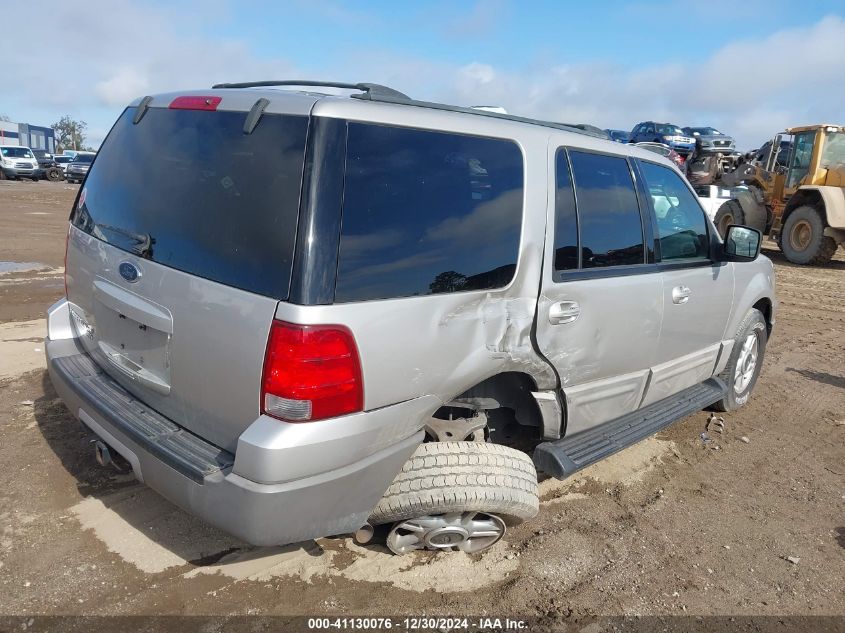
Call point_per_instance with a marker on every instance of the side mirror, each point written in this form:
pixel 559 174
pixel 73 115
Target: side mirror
pixel 742 243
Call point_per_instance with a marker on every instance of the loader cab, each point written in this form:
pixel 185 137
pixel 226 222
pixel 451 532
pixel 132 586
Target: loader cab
pixel 801 158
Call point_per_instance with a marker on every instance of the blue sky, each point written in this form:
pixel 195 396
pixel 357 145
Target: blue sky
pixel 611 64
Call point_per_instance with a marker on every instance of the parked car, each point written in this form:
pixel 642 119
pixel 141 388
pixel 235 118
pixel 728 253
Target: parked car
pixel 710 140
pixel 665 133
pixel 285 375
pixel 620 136
pixel 18 162
pixel 77 169
pixel 48 166
pixel 663 150
pixel 62 161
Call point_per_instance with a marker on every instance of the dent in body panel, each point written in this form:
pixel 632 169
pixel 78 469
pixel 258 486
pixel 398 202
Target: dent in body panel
pixel 506 324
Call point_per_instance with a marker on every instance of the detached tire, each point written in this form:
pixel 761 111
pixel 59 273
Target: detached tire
pixel 729 213
pixel 743 368
pixel 803 240
pixel 447 477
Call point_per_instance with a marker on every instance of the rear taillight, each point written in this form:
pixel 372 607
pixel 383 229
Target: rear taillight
pixel 195 103
pixel 311 372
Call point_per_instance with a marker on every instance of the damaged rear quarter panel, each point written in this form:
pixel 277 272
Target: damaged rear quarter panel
pixel 443 344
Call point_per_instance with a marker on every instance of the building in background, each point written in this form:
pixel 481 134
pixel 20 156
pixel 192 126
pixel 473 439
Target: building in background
pixel 32 136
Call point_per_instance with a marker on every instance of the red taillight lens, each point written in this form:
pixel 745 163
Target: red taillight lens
pixel 311 372
pixel 195 103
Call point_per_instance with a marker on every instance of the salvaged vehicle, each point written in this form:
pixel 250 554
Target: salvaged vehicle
pixel 296 314
pixel 18 162
pixel 665 133
pixel 709 140
pixel 77 169
pixel 799 204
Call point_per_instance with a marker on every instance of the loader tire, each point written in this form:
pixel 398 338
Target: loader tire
pixel 444 477
pixel 730 212
pixel 803 240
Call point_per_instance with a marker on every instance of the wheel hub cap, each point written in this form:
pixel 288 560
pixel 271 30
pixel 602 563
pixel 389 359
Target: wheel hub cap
pixel 469 532
pixel 800 236
pixel 746 363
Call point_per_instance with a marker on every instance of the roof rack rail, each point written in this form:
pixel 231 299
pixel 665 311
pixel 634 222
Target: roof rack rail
pixel 567 127
pixel 374 92
pixel 383 94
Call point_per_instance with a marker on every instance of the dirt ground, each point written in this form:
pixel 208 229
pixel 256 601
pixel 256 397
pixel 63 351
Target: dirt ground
pixel 752 523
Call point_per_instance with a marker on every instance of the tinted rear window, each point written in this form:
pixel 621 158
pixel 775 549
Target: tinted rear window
pixel 427 212
pixel 188 189
pixel 611 228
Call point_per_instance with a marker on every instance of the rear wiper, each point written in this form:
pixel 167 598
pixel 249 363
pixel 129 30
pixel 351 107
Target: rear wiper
pixel 144 241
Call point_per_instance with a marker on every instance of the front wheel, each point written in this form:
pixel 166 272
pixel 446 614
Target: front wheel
pixel 458 496
pixel 803 240
pixel 743 368
pixel 730 212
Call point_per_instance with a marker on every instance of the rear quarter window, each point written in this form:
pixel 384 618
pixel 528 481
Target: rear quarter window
pixel 427 212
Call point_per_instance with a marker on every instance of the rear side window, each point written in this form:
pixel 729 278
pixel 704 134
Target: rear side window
pixel 609 216
pixel 566 221
pixel 681 227
pixel 188 189
pixel 427 212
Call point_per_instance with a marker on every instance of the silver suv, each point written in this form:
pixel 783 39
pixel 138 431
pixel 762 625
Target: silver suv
pixel 297 314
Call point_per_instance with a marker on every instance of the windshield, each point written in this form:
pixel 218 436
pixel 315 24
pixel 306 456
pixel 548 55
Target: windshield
pixel 83 158
pixel 834 149
pixel 664 128
pixel 619 135
pixel 17 152
pixel 189 190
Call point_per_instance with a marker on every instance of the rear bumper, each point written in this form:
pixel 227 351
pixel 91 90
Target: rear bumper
pixel 203 479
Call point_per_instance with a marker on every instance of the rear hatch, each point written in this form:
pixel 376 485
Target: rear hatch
pixel 181 246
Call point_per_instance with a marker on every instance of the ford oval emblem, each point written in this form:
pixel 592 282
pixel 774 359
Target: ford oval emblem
pixel 129 272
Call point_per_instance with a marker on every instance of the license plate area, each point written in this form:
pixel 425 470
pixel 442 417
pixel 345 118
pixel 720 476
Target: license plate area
pixel 134 336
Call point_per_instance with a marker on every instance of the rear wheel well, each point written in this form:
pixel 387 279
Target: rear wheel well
pixel 804 197
pixel 765 307
pixel 507 401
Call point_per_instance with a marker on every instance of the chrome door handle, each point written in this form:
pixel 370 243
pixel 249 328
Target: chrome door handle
pixel 564 312
pixel 680 294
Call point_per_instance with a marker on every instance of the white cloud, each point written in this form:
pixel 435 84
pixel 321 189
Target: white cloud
pixel 122 86
pixel 119 50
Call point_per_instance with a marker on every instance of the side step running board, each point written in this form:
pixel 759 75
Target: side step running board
pixel 562 458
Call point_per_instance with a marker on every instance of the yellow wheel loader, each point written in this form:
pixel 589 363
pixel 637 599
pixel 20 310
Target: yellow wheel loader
pixel 799 201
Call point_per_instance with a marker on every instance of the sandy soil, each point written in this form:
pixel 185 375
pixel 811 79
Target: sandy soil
pixel 670 526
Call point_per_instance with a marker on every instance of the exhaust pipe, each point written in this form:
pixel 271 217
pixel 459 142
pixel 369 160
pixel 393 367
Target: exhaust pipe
pixel 101 453
pixel 364 534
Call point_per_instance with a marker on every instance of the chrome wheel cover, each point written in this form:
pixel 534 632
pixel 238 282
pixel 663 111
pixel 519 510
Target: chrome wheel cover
pixel 469 532
pixel 746 363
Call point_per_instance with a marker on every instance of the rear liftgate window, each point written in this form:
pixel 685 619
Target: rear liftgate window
pixel 427 212
pixel 188 189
